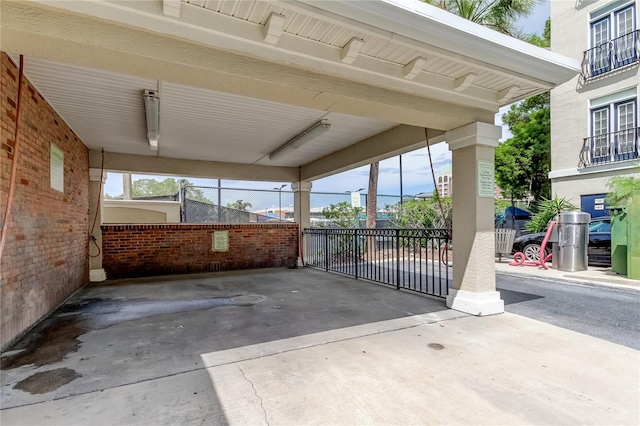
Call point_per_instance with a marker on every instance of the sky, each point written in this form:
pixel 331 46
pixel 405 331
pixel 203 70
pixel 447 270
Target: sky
pixel 416 171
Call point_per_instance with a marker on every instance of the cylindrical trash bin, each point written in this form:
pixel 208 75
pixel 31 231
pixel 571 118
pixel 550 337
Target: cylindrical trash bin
pixel 573 241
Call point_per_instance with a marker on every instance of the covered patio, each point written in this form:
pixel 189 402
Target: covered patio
pixel 236 85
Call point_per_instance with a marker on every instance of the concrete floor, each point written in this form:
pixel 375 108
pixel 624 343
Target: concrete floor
pixel 304 347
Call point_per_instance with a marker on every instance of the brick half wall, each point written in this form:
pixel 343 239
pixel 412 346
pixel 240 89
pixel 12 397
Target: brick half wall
pixel 148 250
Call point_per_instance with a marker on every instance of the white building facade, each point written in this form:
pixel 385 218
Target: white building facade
pixel 594 116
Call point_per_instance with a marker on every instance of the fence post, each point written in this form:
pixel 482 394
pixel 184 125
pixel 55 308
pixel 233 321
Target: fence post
pixel 398 259
pixel 183 194
pixel 326 249
pixel 355 250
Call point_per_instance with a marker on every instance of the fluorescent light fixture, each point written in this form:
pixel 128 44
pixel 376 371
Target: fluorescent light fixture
pixel 310 133
pixel 152 109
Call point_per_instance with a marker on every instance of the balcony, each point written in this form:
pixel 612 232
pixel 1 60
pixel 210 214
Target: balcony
pixel 610 148
pixel 612 55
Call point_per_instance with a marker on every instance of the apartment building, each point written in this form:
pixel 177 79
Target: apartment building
pixel 445 182
pixel 594 117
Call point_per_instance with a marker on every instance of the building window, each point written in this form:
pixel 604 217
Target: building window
pixel 614 132
pixel 446 179
pixel 439 179
pixel 614 40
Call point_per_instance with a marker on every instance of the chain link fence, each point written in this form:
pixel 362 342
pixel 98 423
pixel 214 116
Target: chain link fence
pixel 203 204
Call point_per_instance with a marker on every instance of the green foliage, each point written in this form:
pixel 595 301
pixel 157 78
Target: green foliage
pixel 425 214
pixel 541 41
pixel 169 186
pixel 499 15
pixel 501 205
pixel 343 214
pixel 621 189
pixel 523 161
pixel 547 209
pixel 239 205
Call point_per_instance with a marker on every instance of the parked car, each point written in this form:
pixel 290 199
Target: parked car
pixel 599 250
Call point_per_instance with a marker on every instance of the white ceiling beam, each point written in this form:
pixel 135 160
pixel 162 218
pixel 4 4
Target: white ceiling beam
pixel 273 28
pixel 461 84
pixel 130 163
pixel 171 8
pixel 399 140
pixel 413 68
pixel 351 51
pixel 506 94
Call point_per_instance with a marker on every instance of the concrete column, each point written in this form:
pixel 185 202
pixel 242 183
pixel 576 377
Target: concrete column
pixel 96 272
pixel 301 211
pixel 474 277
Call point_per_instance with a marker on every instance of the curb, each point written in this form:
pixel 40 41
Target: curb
pixel 570 280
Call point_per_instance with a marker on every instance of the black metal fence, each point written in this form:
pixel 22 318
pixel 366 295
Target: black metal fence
pixel 623 145
pixel 413 259
pixel 609 56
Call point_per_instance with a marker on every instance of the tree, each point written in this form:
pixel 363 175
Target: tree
pixel 425 213
pixel 372 196
pixel 239 205
pixel 499 15
pixel 343 214
pixel 169 186
pixel 523 162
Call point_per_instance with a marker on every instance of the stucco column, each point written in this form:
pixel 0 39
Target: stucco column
pixel 474 276
pixel 301 212
pixel 96 272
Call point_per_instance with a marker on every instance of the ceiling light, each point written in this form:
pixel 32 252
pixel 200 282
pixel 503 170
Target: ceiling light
pixel 310 133
pixel 152 109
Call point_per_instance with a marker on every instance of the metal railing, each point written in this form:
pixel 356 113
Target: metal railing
pixel 410 259
pixel 617 53
pixel 610 148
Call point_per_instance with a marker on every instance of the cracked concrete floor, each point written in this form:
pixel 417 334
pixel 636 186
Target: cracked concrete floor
pixel 313 348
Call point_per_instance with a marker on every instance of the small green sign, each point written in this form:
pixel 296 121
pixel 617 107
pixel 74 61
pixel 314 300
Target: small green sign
pixel 486 179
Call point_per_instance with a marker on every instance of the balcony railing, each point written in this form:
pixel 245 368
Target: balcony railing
pixel 612 55
pixel 610 148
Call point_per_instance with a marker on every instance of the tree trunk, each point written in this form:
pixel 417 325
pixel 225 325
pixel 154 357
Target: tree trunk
pixel 372 206
pixel 372 192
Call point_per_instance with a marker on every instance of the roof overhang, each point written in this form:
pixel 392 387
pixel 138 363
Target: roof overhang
pixel 371 65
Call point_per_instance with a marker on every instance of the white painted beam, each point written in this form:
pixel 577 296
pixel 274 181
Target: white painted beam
pixel 171 8
pixel 273 28
pixel 130 163
pixel 351 50
pixel 399 140
pixel 506 94
pixel 461 84
pixel 413 68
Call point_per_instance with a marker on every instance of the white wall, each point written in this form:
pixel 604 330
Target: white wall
pixel 140 211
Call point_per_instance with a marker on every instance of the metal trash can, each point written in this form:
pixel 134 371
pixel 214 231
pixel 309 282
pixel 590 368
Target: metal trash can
pixel 573 241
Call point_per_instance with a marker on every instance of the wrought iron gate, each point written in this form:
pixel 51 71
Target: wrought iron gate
pixel 413 259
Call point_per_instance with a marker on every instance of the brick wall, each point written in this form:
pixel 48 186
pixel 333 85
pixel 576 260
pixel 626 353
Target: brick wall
pixel 147 250
pixel 45 256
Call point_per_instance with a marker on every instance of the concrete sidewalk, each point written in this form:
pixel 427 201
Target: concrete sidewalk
pixel 504 369
pixel 593 276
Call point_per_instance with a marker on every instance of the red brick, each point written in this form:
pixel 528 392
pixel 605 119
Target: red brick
pixel 37 243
